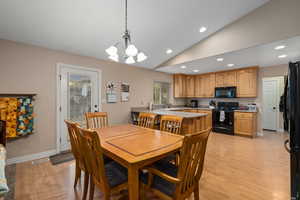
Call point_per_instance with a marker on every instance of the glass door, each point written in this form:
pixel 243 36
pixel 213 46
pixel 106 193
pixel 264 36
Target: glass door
pixel 79 93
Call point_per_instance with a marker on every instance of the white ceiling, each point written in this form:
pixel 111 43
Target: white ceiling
pixel 88 27
pixel 263 55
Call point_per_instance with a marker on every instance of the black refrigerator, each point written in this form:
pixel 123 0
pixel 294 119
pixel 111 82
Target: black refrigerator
pixel 292 120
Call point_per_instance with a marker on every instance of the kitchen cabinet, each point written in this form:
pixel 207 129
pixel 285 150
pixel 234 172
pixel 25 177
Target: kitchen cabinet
pixel 226 79
pixel 190 86
pixel 208 120
pixel 245 123
pixel 247 82
pixel 179 81
pixel 205 85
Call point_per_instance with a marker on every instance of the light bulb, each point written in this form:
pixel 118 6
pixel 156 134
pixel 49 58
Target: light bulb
pixel 130 60
pixel 141 57
pixel 112 50
pixel 131 50
pixel 114 57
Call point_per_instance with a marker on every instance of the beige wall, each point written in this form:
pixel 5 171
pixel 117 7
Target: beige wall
pixel 276 20
pixel 25 68
pixel 264 72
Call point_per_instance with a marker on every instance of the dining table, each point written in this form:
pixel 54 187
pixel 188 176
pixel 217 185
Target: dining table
pixel 135 147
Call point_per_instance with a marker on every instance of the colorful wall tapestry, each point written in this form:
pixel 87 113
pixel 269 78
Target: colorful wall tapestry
pixel 18 114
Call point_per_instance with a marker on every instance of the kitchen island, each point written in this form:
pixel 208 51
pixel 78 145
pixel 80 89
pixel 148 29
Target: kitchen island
pixel 192 122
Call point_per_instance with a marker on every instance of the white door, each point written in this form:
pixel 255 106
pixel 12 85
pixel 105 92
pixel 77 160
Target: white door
pixel 270 107
pixel 78 94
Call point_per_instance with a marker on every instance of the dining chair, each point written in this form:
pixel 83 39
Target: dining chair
pixel 78 155
pixel 96 119
pixel 171 124
pixel 169 181
pixel 109 178
pixel 146 120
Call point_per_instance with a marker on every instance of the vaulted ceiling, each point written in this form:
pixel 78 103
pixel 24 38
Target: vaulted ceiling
pixel 88 27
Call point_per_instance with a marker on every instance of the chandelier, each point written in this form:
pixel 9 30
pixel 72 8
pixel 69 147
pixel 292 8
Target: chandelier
pixel 131 53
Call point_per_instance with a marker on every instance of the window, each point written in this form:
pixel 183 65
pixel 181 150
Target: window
pixel 161 93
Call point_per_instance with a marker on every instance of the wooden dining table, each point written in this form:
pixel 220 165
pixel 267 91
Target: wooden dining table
pixel 135 147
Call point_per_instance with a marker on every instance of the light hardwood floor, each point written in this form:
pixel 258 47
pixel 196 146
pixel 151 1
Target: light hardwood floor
pixel 236 168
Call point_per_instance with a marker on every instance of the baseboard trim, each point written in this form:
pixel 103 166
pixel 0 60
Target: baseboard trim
pixel 280 130
pixel 260 134
pixel 30 157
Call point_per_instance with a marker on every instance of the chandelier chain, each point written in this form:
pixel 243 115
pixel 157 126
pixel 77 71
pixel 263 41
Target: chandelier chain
pixel 125 15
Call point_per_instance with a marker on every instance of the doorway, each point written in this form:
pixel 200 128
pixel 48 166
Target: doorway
pixel 78 92
pixel 272 89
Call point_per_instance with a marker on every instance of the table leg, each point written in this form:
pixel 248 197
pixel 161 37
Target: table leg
pixel 133 182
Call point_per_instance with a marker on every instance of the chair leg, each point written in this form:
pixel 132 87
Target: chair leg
pixel 196 192
pixel 86 185
pixel 107 195
pixel 92 188
pixel 77 173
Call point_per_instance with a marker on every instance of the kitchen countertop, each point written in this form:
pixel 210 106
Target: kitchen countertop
pixel 248 111
pixel 178 113
pixel 171 111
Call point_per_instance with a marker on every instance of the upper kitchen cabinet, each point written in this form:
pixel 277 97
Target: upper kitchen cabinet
pixel 190 86
pixel 247 82
pixel 179 85
pixel 209 83
pixel 205 85
pixel 226 79
pixel 199 86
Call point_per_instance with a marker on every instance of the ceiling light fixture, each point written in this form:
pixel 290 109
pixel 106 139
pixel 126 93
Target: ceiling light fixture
pixel 131 54
pixel 230 65
pixel 169 51
pixel 183 67
pixel 196 70
pixel 282 56
pixel 280 47
pixel 220 59
pixel 202 29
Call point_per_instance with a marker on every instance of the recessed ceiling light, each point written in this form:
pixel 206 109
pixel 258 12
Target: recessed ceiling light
pixel 183 67
pixel 282 56
pixel 220 59
pixel 230 65
pixel 202 29
pixel 280 47
pixel 169 51
pixel 195 70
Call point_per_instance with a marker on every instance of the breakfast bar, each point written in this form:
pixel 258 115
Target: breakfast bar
pixel 192 122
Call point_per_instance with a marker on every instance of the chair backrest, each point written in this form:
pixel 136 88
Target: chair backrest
pixel 74 140
pixel 93 155
pixel 96 120
pixel 146 120
pixel 171 124
pixel 192 156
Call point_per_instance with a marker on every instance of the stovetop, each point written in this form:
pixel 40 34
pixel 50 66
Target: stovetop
pixel 227 106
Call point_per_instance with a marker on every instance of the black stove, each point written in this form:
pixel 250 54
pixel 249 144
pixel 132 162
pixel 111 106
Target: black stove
pixel 223 117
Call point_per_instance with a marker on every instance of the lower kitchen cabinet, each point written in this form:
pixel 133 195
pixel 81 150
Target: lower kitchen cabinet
pixel 245 123
pixel 208 118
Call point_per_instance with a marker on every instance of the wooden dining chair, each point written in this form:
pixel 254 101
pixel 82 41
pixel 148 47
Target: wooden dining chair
pixel 96 120
pixel 169 181
pixel 171 124
pixel 109 178
pixel 146 120
pixel 78 155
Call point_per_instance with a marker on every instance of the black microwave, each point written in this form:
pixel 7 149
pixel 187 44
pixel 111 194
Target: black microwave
pixel 225 92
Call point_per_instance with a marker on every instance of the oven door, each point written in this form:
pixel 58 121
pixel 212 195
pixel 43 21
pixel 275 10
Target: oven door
pixel 226 126
pixel 225 92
